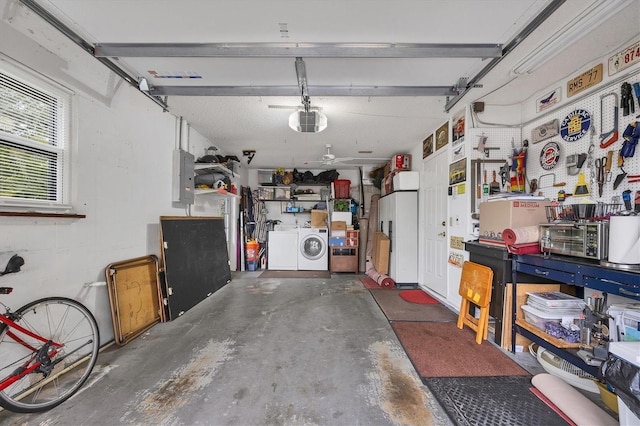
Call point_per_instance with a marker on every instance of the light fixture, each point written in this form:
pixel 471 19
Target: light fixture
pixel 308 121
pixel 590 18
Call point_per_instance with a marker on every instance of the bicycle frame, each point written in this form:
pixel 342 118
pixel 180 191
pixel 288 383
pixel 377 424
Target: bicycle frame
pixel 25 368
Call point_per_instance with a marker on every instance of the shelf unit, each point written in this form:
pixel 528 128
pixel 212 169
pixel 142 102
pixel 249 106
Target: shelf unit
pixel 576 272
pixel 207 168
pixel 285 194
pixel 345 258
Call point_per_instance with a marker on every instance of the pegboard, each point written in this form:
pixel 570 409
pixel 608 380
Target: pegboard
pixel 594 104
pixel 500 143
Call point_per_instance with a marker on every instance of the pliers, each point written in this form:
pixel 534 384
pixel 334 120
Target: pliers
pixel 626 99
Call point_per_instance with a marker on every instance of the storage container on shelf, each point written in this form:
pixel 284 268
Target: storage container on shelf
pixel 540 318
pixel 342 188
pixel 554 300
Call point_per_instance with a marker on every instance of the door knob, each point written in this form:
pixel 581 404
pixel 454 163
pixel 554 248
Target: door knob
pixel 442 234
pixel 444 223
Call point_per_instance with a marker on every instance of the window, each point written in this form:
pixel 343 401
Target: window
pixel 34 136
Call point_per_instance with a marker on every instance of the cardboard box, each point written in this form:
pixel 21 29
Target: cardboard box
pixel 338 229
pixel 496 216
pixel 380 252
pixel 406 181
pixel 319 218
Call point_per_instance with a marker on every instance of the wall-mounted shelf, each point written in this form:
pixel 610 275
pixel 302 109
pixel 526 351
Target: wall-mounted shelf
pixel 219 192
pixel 205 168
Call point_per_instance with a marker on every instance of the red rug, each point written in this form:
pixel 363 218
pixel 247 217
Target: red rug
pixel 418 296
pixel 440 349
pixel 369 283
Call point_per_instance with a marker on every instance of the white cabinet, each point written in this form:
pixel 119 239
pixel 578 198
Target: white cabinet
pixel 398 220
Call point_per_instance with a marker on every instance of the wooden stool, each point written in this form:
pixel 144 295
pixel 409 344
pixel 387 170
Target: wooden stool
pixel 475 288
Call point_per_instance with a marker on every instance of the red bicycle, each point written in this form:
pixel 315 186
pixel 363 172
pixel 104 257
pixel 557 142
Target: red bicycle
pixel 47 351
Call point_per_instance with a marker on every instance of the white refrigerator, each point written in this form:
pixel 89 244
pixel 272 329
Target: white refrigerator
pixel 398 219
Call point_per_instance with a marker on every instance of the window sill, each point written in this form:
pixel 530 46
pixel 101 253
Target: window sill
pixel 35 214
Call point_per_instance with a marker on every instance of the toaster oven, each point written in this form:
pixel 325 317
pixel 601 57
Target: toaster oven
pixel 581 239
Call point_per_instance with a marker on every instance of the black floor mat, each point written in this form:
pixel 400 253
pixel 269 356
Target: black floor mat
pixel 492 401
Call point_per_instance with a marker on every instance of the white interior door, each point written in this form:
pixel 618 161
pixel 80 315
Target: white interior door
pixel 433 223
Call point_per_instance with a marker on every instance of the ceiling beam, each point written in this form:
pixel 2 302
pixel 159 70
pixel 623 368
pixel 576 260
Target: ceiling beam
pixel 289 50
pixel 295 91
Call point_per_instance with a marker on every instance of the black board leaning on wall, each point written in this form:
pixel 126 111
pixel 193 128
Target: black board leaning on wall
pixel 196 261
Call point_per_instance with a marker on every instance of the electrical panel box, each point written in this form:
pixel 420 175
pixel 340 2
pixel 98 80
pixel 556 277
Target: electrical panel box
pixel 183 176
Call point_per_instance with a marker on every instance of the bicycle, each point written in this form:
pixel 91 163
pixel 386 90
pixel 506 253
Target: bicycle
pixel 48 349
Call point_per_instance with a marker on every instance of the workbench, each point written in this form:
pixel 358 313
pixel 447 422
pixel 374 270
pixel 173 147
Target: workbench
pixel 575 271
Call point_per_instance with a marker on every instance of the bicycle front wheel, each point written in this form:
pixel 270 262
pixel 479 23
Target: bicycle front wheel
pixel 60 320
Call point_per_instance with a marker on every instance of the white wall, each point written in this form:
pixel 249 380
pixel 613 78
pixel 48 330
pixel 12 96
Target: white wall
pixel 501 123
pixel 122 147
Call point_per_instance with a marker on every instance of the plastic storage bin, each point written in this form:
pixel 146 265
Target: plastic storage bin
pixel 551 300
pixel 539 318
pixel 342 188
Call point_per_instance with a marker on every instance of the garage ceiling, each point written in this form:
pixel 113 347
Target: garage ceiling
pixel 385 73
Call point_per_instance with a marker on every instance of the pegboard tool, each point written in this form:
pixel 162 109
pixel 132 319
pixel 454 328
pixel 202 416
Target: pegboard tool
pixel 607 138
pixel 582 188
pixel 553 183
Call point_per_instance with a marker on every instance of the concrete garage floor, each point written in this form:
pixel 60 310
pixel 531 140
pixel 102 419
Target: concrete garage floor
pixel 258 352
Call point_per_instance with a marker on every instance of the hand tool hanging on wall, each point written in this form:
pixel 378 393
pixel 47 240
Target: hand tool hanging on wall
pixel 553 182
pixel 485 186
pixel 626 198
pixel 504 173
pixel 575 163
pixel 622 175
pixel 626 99
pixel 601 164
pixel 607 138
pixel 636 90
pixel 631 136
pixel 494 188
pixel 633 178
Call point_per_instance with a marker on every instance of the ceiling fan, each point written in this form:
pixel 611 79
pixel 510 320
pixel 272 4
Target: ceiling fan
pixel 329 159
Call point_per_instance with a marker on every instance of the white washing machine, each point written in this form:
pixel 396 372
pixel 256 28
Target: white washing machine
pixel 282 248
pixel 313 249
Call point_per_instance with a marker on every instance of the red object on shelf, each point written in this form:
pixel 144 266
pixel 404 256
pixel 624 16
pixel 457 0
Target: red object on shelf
pixel 342 188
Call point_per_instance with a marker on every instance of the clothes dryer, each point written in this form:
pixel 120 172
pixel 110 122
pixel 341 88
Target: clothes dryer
pixel 313 249
pixel 282 248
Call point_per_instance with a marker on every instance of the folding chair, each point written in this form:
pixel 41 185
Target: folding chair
pixel 475 289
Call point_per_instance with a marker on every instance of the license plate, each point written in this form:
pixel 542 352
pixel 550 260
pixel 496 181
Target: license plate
pixel 585 80
pixel 625 58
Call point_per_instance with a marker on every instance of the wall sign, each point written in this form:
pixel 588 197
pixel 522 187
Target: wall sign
pixel 442 135
pixel 548 100
pixel 427 146
pixel 585 80
pixel 624 59
pixel 575 125
pixel 456 243
pixel 549 155
pixel 545 131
